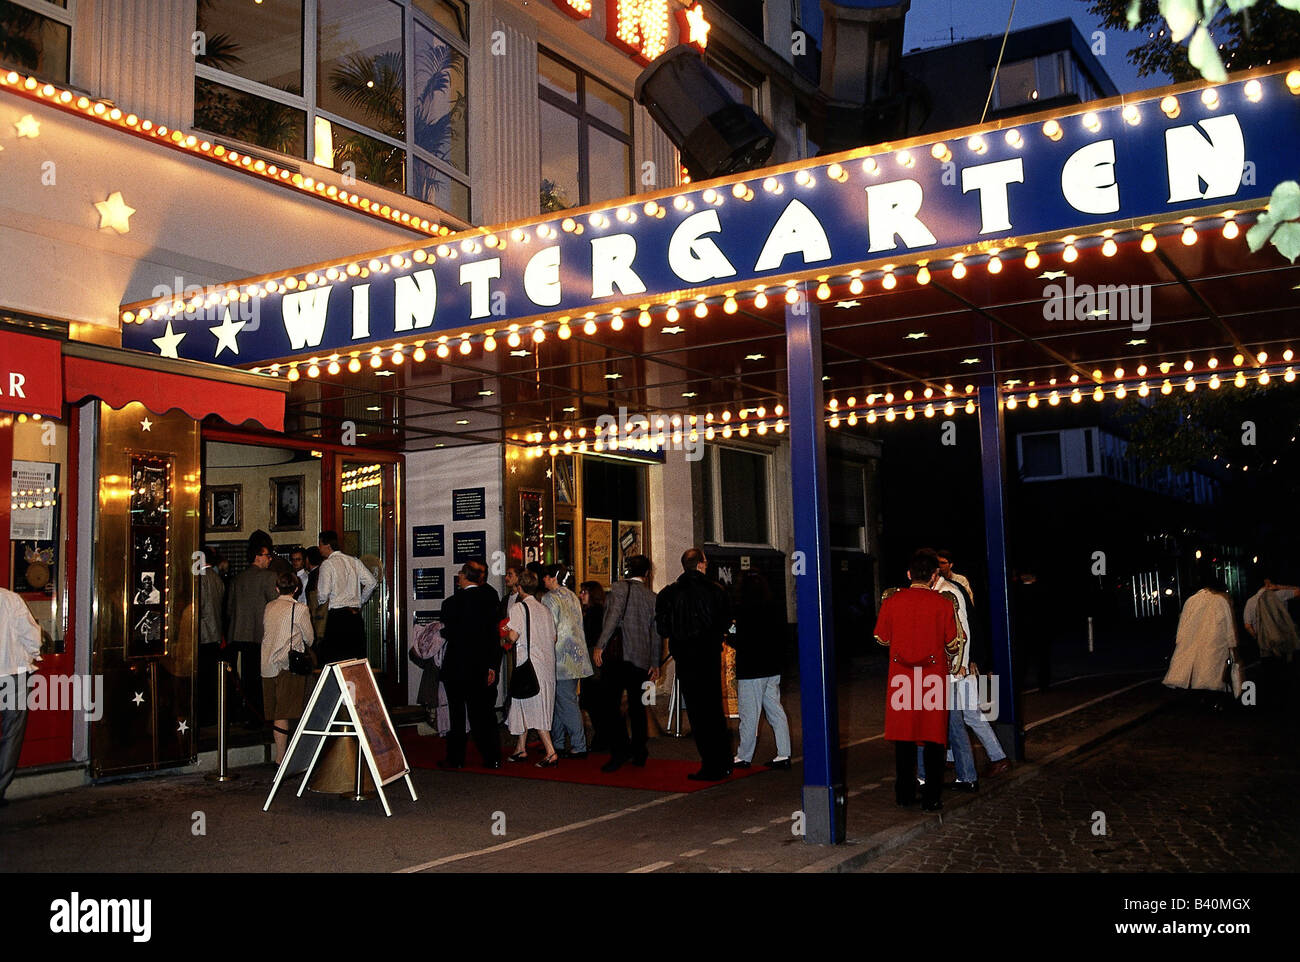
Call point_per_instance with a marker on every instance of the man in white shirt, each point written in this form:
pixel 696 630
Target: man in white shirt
pixel 20 649
pixel 946 572
pixel 343 585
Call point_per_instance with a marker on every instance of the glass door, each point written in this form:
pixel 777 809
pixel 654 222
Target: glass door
pixel 368 499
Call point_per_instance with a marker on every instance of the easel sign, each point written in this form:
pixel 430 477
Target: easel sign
pixel 349 685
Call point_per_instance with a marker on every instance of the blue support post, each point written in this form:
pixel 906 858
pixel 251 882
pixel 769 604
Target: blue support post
pixel 823 775
pixel 993 475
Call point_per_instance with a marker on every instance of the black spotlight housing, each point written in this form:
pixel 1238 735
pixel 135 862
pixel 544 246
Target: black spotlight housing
pixel 716 135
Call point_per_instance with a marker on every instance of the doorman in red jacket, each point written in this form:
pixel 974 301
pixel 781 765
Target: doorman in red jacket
pixel 920 629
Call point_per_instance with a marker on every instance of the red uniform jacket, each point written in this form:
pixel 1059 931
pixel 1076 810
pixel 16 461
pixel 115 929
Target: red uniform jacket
pixel 920 629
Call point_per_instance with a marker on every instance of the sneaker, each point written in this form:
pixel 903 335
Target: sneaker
pixel 740 763
pixel 782 763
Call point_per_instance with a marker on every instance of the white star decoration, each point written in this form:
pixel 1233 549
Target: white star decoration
pixel 226 333
pixel 168 343
pixel 139 698
pixel 146 424
pixel 114 213
pixel 182 727
pixel 28 126
pixel 1099 312
pixel 1052 275
pixel 848 304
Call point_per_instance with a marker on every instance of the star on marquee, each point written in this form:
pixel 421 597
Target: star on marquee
pixel 146 424
pixel 226 333
pixel 139 698
pixel 697 26
pixel 513 468
pixel 114 213
pixel 916 335
pixel 675 329
pixel 182 727
pixel 1099 312
pixel 548 472
pixel 1052 275
pixel 168 343
pixel 28 126
pixel 848 304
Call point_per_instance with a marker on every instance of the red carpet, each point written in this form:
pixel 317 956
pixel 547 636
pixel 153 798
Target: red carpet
pixel 658 775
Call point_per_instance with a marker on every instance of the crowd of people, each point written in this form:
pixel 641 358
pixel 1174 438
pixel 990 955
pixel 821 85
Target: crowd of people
pixel 568 653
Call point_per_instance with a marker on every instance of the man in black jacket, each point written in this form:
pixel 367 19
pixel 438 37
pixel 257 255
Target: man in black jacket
pixel 693 614
pixel 469 664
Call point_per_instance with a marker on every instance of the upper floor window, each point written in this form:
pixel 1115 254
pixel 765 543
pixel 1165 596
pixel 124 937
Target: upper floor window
pixel 373 88
pixel 1042 78
pixel 35 37
pixel 736 503
pixel 586 136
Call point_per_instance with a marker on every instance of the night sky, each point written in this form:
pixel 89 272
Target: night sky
pixel 931 23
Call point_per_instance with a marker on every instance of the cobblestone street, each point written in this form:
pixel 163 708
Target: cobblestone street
pixel 1187 791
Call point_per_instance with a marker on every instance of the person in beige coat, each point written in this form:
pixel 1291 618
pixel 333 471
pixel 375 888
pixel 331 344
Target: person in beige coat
pixel 1206 641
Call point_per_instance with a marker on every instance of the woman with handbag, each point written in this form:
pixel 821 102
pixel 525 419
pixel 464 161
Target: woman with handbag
pixel 530 629
pixel 286 661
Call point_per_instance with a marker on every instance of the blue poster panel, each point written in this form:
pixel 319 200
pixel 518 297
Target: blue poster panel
pixel 430 583
pixel 468 504
pixel 427 541
pixel 469 546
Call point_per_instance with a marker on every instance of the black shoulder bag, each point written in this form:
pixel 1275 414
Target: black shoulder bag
pixel 300 662
pixel 523 682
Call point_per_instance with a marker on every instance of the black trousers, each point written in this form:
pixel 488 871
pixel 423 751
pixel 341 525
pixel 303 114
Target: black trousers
pixel 250 680
pixel 616 677
pixel 345 636
pixel 478 700
pixel 701 676
pixel 205 686
pixel 905 772
pixel 591 699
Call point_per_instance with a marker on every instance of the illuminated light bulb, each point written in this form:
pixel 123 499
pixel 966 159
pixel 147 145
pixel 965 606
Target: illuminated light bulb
pixel 1188 365
pixel 672 315
pixel 1014 139
pixel 905 158
pixel 701 310
pixel 589 328
pixel 1055 399
pixel 679 202
pixel 1132 116
pixel 729 306
pixel 1052 130
pixel 489 343
pixel 889 397
pixel 856 286
pixel 837 173
pixel 970 407
pixel 1189 385
pixel 1033 401
pixel 1170 106
pixel 1239 380
pixel 1262 357
pixel 770 184
pixel 443 350
pixel 941 153
pixel 313 371
pixel 1263 377
pixel 1011 405
pixel 923 276
pixel 1091 121
pixel 1121 392
pixel 539 335
pixel 1098 394
pixel 1189 236
pixel 958 270
pixel 929 410
pixel 1238 360
pixel 726 431
pixel 1070 254
pixel 995 265
pixel 568 224
pixel 1109 247
pixel 888 282
pixel 833 404
pixel 1141 370
pixel 1289 376
pixel 354 365
pixel 1214 382
pixel 1231 230
pixel 1288 354
pixel 823 291
pixel 760 300
pixel 513 339
pixel 738 190
pixel 1210 98
pixel 333 367
pixel 399 358
pixel 1119 372
pixel 870 166
pixel 908 395
pixel 1075 396
pixel 803 178
pixel 909 414
pixel 293 373
pixel 643 319
pixel 616 323
pixel 792 296
pixel 890 415
pixel 1254 91
pixel 1166 388
pixel 744 430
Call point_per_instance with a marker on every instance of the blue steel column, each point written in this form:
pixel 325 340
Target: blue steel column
pixel 993 474
pixel 823 775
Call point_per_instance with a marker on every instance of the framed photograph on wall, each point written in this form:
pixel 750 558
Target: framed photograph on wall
pixel 596 549
pixel 223 507
pixel 286 503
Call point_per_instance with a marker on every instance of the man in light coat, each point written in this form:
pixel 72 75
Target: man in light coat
pixel 20 649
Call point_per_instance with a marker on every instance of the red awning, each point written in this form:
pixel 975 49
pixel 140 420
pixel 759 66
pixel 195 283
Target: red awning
pixel 118 385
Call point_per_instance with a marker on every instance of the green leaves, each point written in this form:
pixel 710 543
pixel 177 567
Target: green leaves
pixel 1182 16
pixel 1204 56
pixel 1278 223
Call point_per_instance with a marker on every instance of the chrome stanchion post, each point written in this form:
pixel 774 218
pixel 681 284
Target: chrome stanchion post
pixel 221 775
pixel 675 709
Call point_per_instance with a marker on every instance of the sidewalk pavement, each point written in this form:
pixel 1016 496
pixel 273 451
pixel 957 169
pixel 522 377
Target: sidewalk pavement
pixel 466 822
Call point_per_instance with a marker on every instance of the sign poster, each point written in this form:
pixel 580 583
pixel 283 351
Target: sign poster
pixel 629 539
pixel 430 583
pixel 532 525
pixel 428 541
pixel 468 504
pixel 596 550
pixel 425 617
pixel 34 493
pixel 468 546
pixel 150 504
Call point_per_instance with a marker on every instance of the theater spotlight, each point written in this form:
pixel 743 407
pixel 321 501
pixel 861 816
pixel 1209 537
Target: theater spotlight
pixel 715 135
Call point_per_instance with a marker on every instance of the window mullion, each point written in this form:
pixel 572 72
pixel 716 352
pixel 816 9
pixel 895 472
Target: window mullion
pixel 408 96
pixel 309 54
